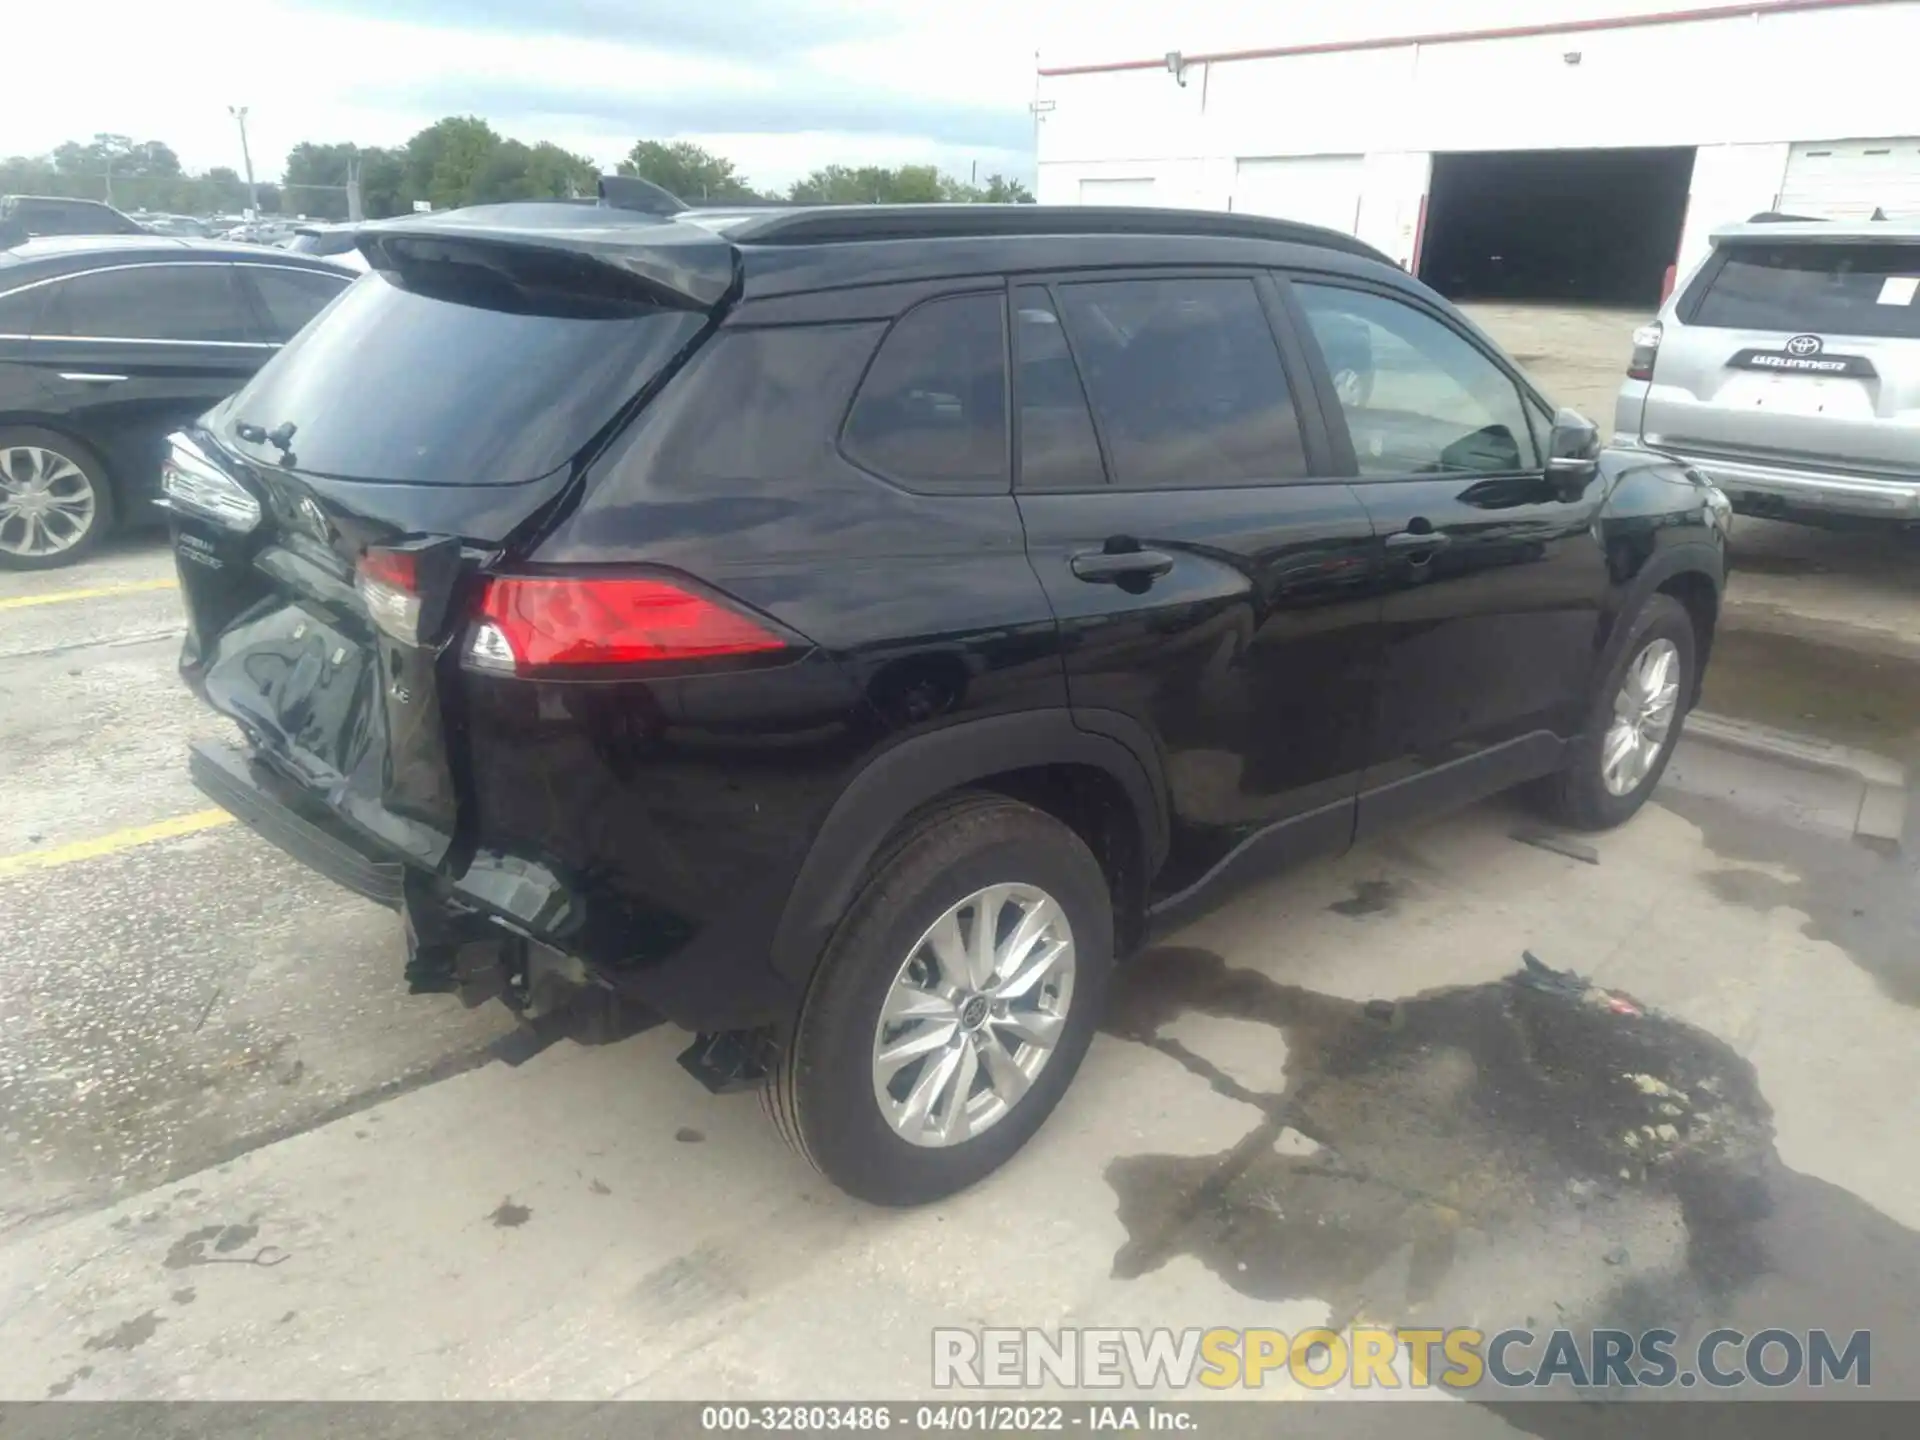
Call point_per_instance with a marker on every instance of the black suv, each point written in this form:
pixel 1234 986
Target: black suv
pixel 845 632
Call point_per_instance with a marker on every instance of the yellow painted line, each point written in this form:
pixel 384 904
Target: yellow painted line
pixel 114 843
pixel 60 597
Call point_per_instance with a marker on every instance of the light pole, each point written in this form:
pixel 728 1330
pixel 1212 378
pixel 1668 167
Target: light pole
pixel 239 113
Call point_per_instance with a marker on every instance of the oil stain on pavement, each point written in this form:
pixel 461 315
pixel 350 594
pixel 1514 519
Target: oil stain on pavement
pixel 1531 1151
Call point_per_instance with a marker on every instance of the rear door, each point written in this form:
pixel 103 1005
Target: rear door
pixel 1800 350
pixel 1493 578
pixel 1210 574
pixel 128 353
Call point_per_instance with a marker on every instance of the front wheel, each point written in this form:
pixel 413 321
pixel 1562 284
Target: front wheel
pixel 55 504
pixel 1633 723
pixel 953 1005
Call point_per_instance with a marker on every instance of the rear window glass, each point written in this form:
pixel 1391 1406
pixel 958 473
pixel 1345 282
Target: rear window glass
pixel 394 385
pixel 1830 289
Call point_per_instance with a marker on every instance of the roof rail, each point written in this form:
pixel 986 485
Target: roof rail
pixel 828 224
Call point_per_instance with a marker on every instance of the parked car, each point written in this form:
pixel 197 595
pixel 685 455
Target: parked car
pixel 22 217
pixel 185 226
pixel 106 345
pixel 1787 368
pixel 845 635
pixel 331 242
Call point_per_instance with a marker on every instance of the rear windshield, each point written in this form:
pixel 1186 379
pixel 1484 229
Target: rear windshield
pixel 1824 288
pixel 389 384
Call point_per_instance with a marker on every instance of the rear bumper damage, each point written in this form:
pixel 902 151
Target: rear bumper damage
pixel 273 810
pixel 457 942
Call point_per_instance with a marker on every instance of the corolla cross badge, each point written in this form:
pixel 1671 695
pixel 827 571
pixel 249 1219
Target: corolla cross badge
pixel 1803 345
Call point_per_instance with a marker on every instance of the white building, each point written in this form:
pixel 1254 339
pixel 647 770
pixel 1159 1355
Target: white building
pixel 1569 149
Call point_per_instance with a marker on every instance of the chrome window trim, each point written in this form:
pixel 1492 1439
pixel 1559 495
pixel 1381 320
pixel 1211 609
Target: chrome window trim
pixel 142 340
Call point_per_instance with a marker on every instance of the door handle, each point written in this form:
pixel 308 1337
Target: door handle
pixel 1417 539
pixel 1100 567
pixel 91 377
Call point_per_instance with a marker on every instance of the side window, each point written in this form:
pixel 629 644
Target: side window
pixel 291 297
pixel 1058 448
pixel 932 411
pixel 149 302
pixel 1419 399
pixel 1185 378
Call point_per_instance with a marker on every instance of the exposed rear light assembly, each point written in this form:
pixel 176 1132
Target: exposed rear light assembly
pixel 195 484
pixel 526 625
pixel 389 586
pixel 1646 348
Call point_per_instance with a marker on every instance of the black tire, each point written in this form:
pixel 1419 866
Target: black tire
pixel 83 459
pixel 1578 796
pixel 823 1095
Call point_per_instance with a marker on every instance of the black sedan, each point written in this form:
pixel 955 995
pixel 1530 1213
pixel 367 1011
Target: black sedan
pixel 109 343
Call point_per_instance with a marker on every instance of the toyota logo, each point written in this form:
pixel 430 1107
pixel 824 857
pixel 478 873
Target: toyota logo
pixel 1804 345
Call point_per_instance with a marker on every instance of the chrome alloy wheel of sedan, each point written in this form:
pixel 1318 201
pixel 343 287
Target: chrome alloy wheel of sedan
pixel 1643 714
pixel 973 1015
pixel 47 504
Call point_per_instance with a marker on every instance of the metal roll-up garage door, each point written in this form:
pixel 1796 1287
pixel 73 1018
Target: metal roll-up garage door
pixel 1850 179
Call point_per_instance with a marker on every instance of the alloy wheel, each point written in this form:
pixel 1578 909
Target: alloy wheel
pixel 973 1015
pixel 1643 714
pixel 47 504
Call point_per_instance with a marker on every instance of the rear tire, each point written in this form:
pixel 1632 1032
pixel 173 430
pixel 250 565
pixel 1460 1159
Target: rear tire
pixel 56 504
pixel 1605 782
pixel 982 1079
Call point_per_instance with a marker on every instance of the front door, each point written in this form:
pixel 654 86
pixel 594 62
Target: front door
pixel 1212 583
pixel 1493 577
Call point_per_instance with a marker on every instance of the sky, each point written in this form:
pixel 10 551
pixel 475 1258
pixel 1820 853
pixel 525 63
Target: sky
pixel 778 86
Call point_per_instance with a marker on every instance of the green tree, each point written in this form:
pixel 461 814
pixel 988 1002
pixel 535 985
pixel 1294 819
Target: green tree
pixel 443 160
pixel 694 174
pixel 901 185
pixel 315 175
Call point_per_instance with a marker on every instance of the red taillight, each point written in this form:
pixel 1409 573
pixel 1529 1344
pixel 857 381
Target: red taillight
pixel 389 586
pixel 530 623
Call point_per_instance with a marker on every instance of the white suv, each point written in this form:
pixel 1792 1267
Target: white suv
pixel 1787 369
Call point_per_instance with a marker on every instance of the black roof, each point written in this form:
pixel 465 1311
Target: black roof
pixel 697 257
pixel 834 224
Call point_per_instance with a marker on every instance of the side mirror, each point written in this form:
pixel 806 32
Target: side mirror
pixel 1573 454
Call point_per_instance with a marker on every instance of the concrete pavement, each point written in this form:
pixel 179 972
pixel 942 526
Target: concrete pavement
pixel 240 1163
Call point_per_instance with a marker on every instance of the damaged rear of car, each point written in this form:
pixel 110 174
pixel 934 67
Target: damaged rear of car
pixel 351 530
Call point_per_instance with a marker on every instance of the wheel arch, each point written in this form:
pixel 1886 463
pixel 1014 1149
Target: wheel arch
pixel 1694 575
pixel 1042 757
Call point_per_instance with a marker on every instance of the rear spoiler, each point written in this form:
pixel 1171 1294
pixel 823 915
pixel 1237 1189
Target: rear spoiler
pixel 615 253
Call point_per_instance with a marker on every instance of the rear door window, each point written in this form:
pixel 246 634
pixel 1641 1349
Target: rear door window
pixel 394 384
pixel 1831 289
pixel 1417 396
pixel 1186 382
pixel 932 411
pixel 1058 447
pixel 186 303
pixel 289 298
